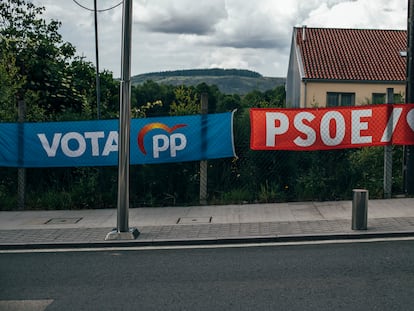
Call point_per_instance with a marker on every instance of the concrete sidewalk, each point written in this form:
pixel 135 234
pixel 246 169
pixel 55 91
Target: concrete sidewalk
pixel 206 224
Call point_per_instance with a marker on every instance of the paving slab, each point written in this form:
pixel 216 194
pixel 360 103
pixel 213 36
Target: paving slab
pixel 206 223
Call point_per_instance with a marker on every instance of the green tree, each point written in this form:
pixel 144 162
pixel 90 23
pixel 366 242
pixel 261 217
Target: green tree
pixel 271 98
pixel 40 55
pixel 228 102
pixel 10 83
pixel 109 95
pixel 213 94
pixel 151 92
pixel 186 102
pixel 56 84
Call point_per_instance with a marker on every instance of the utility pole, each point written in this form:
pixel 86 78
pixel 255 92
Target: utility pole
pixel 98 81
pixel 123 232
pixel 409 150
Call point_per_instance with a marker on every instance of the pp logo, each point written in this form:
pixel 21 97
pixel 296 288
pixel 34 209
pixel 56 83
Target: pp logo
pixel 160 142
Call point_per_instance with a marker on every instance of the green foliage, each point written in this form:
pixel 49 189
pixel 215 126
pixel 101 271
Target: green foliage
pixel 228 103
pixel 50 199
pixel 269 192
pixel 141 112
pixel 236 196
pixel 109 95
pixel 323 175
pixel 10 83
pixel 85 184
pixel 165 184
pixel 186 102
pixel 44 71
pixel 9 201
pixel 151 92
pixel 269 99
pixel 41 55
pixel 367 169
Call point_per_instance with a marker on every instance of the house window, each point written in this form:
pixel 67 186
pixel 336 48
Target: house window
pixel 340 99
pixel 379 98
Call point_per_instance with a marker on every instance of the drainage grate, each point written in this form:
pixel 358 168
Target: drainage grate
pixel 62 221
pixel 194 220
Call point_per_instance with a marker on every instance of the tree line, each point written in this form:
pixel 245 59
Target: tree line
pixel 39 68
pixel 217 72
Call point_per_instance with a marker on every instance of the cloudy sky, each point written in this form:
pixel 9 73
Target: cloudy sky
pixel 187 34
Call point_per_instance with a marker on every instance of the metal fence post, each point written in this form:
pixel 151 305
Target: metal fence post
pixel 203 164
pixel 359 209
pixel 388 151
pixel 21 171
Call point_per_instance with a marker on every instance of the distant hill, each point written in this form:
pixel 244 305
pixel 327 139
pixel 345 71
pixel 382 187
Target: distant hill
pixel 229 81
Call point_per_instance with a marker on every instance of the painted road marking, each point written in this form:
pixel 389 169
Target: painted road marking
pixel 25 305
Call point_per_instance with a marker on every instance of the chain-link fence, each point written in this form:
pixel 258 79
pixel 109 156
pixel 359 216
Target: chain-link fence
pixel 254 176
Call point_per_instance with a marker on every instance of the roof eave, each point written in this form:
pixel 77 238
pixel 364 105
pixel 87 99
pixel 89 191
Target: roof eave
pixel 321 80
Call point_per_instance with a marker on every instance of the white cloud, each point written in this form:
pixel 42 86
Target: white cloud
pixel 383 14
pixel 181 34
pixel 225 58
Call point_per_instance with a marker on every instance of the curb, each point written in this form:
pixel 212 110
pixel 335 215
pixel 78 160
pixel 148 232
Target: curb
pixel 208 241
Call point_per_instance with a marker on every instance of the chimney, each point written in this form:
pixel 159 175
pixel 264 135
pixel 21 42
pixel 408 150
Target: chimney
pixel 304 33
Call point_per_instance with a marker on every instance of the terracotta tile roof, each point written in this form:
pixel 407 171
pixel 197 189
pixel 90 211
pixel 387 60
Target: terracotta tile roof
pixel 353 54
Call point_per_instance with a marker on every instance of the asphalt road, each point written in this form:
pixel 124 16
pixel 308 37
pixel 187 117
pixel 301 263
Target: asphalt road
pixel 360 276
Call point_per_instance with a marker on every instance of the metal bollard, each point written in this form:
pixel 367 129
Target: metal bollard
pixel 359 209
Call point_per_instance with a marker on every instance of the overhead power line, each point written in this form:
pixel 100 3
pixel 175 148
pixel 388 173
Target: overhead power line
pixel 93 10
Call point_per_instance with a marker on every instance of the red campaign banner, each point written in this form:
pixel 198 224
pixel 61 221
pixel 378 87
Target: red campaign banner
pixel 331 128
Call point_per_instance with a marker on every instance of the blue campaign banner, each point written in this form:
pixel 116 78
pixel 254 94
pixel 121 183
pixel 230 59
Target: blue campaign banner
pixel 95 143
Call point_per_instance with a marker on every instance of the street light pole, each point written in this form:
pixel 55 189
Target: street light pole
pixel 123 232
